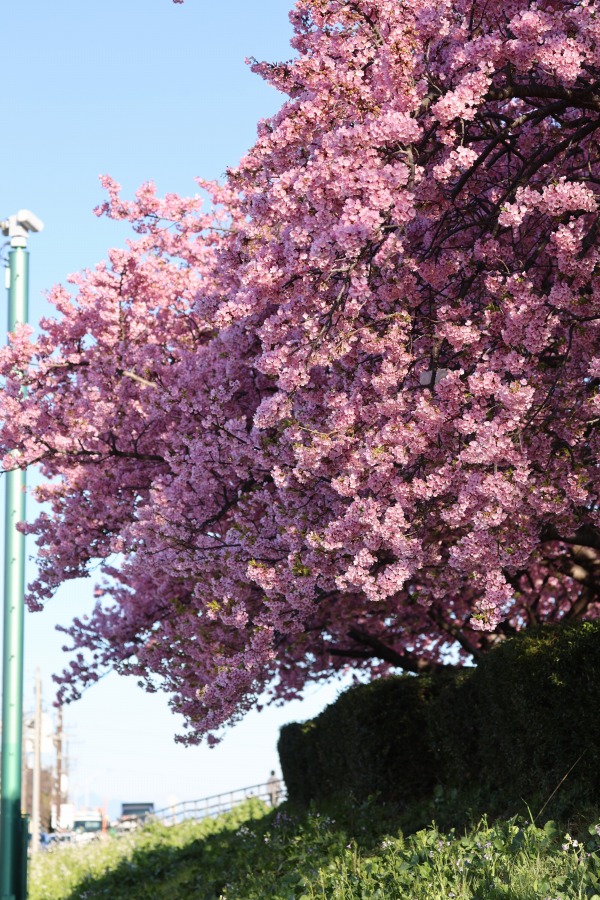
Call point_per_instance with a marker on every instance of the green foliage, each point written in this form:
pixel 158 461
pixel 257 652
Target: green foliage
pixel 501 737
pixel 159 861
pixel 297 755
pixel 371 741
pixel 524 719
pixel 250 854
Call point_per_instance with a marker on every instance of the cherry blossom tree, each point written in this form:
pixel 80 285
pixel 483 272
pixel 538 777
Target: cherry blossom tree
pixel 344 411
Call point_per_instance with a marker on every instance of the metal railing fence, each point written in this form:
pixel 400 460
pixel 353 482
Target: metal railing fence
pixel 214 805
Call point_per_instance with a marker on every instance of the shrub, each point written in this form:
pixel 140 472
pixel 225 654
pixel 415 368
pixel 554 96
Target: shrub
pixel 372 741
pixel 297 758
pixel 525 717
pixel 504 734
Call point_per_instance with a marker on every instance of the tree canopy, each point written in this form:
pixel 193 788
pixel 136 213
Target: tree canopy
pixel 345 412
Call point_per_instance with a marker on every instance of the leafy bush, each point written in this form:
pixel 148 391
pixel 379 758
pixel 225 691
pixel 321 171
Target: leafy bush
pixel 372 741
pixel 298 758
pixel 504 734
pixel 524 718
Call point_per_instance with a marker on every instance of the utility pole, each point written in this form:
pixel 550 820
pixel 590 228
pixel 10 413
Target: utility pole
pixel 59 759
pixel 37 767
pixel 13 836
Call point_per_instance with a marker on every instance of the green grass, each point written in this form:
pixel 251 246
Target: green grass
pixel 352 854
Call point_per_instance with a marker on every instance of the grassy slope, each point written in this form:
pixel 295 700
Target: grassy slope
pixel 254 854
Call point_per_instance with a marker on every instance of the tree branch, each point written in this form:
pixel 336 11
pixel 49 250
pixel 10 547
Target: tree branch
pixel 379 650
pixel 577 97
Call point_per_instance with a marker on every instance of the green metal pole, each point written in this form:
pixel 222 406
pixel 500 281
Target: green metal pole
pixel 11 831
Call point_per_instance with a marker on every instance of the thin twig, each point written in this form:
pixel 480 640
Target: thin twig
pixel 141 380
pixel 564 778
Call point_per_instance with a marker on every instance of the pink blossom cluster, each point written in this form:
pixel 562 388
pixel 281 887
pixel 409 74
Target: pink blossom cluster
pixel 342 409
pixel 556 199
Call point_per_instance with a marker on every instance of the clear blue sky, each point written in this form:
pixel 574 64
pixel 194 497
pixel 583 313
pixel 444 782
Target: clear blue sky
pixel 141 89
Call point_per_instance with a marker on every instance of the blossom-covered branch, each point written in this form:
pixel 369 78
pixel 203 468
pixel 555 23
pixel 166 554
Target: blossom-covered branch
pixel 349 415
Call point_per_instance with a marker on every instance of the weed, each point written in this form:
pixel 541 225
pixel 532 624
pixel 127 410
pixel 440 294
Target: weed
pixel 253 853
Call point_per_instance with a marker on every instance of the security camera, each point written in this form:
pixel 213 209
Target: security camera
pixel 29 220
pixel 17 227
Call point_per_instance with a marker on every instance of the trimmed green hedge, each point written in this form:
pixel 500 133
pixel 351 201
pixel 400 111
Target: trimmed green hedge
pixel 297 755
pixel 372 740
pixel 525 716
pixel 507 731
